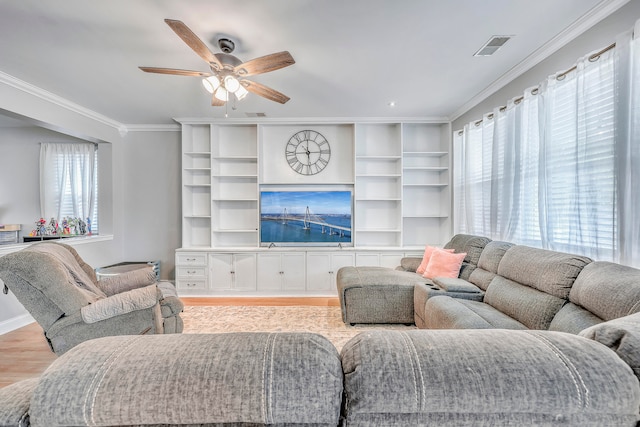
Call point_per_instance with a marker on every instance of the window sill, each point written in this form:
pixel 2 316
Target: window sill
pixel 72 241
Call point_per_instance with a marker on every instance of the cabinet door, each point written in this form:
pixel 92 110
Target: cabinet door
pixel 318 268
pixel 294 272
pixel 220 268
pixel 338 261
pixel 270 272
pixel 367 260
pixel 244 272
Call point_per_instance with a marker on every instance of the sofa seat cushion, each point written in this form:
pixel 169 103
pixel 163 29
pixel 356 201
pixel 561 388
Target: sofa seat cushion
pixel 485 377
pixel 253 378
pixel 444 312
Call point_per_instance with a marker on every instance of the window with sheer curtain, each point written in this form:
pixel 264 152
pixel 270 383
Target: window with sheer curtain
pixel 68 182
pixel 556 167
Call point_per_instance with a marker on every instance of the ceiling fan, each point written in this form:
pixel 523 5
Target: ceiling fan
pixel 227 76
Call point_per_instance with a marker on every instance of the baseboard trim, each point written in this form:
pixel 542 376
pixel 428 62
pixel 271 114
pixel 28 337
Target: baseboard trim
pixel 15 323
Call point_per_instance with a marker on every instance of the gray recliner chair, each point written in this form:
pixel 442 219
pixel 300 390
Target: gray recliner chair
pixel 63 295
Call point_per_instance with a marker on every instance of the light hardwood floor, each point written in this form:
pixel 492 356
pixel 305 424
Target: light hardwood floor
pixel 24 353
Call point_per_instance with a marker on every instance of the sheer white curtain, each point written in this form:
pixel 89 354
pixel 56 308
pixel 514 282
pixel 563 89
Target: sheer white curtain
pixel 577 187
pixel 496 167
pixel 542 170
pixel 67 180
pixel 627 108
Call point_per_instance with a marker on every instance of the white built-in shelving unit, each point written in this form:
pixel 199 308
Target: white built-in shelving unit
pixel 398 172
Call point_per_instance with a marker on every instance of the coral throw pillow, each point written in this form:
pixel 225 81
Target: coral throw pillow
pixel 444 264
pixel 426 257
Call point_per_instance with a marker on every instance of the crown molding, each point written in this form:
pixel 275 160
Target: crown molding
pixel 586 21
pixel 310 120
pixel 36 91
pixel 153 128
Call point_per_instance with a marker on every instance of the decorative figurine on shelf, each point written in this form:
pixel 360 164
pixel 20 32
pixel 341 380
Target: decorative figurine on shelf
pixel 41 228
pixel 88 226
pixel 82 227
pixel 65 226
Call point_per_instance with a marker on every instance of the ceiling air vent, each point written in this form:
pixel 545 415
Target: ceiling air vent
pixel 490 47
pixel 256 114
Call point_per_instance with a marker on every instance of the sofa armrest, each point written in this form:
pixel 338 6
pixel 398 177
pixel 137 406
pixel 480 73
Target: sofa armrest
pixel 622 335
pixel 409 264
pixel 15 400
pixel 456 285
pixel 122 303
pixel 124 282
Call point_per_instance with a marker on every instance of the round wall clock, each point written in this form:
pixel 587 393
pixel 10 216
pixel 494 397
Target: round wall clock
pixel 308 152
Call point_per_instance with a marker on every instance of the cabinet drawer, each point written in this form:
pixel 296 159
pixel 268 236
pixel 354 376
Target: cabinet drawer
pixel 191 272
pixel 191 259
pixel 191 285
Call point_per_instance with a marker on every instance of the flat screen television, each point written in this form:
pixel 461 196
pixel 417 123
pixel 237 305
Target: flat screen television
pixel 306 218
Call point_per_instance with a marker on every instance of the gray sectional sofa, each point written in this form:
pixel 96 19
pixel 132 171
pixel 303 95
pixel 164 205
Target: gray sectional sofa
pixel 524 336
pixel 452 378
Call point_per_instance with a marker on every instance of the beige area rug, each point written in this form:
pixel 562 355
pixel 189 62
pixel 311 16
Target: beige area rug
pixel 326 321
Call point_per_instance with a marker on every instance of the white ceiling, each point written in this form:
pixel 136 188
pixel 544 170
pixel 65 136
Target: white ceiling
pixel 352 56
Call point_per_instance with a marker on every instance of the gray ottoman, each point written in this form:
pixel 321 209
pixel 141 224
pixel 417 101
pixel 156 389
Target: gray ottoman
pixel 376 294
pixel 193 379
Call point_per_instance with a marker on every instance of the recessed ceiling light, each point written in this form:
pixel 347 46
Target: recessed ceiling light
pixel 392 104
pixel 490 47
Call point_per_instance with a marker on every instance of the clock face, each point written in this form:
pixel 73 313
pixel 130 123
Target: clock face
pixel 308 152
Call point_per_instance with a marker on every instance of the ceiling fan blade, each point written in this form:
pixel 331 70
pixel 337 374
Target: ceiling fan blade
pixel 174 71
pixel 264 91
pixel 215 102
pixel 190 38
pixel 264 64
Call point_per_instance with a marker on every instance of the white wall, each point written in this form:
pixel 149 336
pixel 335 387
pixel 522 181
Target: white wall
pixel 150 168
pixel 599 36
pixel 23 102
pixel 19 170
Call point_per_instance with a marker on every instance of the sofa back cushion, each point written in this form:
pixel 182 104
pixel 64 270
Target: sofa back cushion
pixel 533 308
pixel 471 245
pixel 607 290
pixel 548 271
pixel 488 263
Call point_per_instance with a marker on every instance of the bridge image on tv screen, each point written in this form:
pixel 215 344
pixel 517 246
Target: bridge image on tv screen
pixel 305 217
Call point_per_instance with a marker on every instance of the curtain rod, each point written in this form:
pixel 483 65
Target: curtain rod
pixel 561 76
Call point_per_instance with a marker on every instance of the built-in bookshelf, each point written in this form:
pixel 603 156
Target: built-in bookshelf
pixel 398 173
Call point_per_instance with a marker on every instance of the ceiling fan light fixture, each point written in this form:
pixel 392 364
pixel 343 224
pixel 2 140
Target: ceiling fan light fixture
pixel 222 94
pixel 231 84
pixel 211 83
pixel 241 92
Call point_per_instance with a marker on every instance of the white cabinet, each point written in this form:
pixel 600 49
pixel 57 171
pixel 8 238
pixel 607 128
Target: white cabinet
pixel 191 273
pixel 322 268
pixel 282 271
pixel 232 272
